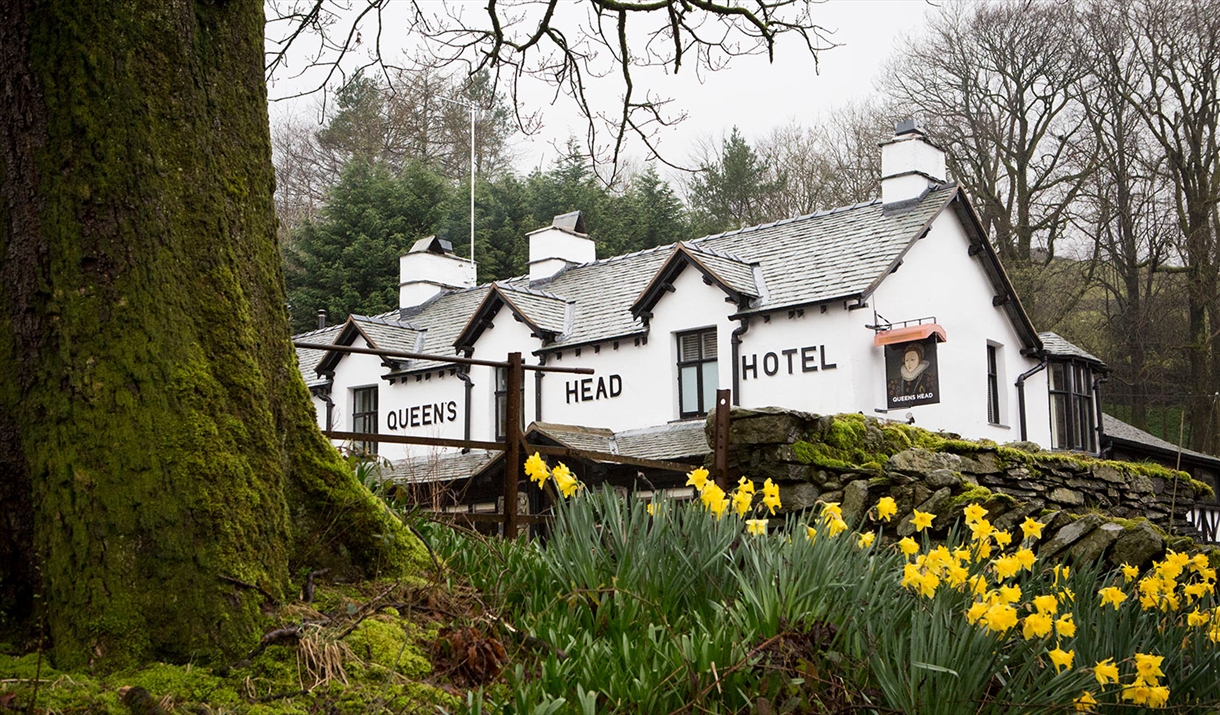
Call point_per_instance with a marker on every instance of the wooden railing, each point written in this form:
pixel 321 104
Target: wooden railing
pixel 1206 519
pixel 514 442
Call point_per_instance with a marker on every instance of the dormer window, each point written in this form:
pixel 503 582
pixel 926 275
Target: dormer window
pixel 1073 422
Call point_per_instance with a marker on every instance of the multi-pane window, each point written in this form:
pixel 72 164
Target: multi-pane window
pixel 1072 421
pixel 501 393
pixel 364 416
pixel 697 374
pixel 993 385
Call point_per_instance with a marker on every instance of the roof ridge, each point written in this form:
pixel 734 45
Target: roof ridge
pixel 792 219
pixel 529 290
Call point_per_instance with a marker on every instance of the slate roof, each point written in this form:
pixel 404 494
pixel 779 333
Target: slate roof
pixel 307 360
pixel 838 254
pixel 439 467
pixel 545 310
pixel 1113 427
pixel 594 439
pixel 661 442
pixel 1056 346
pixel 388 333
pixel 668 441
pixel 736 272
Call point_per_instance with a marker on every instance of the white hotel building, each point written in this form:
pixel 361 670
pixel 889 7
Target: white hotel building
pixel 897 308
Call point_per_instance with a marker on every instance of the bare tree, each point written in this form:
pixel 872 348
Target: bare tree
pixel 834 162
pixel 1177 94
pixel 994 84
pixel 564 45
pixel 394 122
pixel 1128 207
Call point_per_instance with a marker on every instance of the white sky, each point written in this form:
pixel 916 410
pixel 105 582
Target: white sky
pixel 752 94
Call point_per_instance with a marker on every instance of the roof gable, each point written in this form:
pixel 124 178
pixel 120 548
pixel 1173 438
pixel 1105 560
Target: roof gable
pixel 728 272
pixel 380 333
pixel 546 315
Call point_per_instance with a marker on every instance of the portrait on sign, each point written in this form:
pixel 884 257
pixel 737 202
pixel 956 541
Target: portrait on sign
pixel 911 374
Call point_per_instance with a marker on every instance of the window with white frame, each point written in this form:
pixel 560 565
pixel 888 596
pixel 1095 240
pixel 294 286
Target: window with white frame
pixel 698 377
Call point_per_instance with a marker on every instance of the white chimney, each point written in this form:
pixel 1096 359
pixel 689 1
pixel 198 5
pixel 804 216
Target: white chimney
pixel 560 245
pixel 910 164
pixel 429 268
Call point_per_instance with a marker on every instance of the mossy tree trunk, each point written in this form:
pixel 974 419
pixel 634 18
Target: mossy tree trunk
pixel 155 436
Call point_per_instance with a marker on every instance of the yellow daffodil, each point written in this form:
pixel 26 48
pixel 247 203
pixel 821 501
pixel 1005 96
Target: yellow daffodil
pixel 978 584
pixel 922 520
pixel 866 540
pixel 908 546
pixel 974 512
pixel 836 527
pixel 1000 617
pixel 1061 658
pixel 1036 625
pixel 719 506
pixel 1196 618
pixel 886 508
pixel 652 509
pixel 1086 703
pixel 1198 563
pixel 976 611
pixel 982 550
pixel 981 529
pixel 745 485
pixel 535 469
pixel 811 533
pixel 832 511
pixel 697 478
pixel 771 496
pixel 757 526
pixel 1031 529
pixel 1010 594
pixel 1006 566
pixel 1046 603
pixel 741 502
pixel 564 481
pixel 1130 573
pixel 1065 627
pixel 1106 671
pixel 1026 558
pixel 1002 538
pixel 1112 596
pixel 1149 666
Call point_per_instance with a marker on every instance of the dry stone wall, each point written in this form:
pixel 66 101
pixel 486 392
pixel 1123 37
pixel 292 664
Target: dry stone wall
pixel 1120 511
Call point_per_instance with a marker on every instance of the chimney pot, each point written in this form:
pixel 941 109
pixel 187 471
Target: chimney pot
pixel 321 318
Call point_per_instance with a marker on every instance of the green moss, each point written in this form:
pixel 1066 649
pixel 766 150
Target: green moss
pixel 387 643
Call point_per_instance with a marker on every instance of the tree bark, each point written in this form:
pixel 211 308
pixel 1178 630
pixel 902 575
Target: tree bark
pixel 155 433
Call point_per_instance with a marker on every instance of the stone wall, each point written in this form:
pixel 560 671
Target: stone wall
pixel 1091 508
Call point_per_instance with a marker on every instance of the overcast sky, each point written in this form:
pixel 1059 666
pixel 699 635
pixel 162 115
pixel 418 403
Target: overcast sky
pixel 752 94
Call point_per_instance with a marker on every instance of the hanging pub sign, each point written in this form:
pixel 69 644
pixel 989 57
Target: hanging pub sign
pixel 911 374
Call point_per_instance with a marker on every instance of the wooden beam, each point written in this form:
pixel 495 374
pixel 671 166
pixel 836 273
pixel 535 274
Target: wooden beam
pixel 437 358
pixel 512 442
pixel 409 439
pixel 720 445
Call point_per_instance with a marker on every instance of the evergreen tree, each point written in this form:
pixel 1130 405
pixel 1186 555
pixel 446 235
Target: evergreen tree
pixel 730 190
pixel 347 261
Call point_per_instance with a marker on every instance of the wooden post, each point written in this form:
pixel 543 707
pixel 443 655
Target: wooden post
pixel 512 442
pixel 720 434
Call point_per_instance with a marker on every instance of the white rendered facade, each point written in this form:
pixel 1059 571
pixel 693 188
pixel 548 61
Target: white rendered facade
pixel 806 325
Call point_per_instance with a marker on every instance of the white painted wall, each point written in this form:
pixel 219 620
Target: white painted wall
pixel 939 278
pixel 648 373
